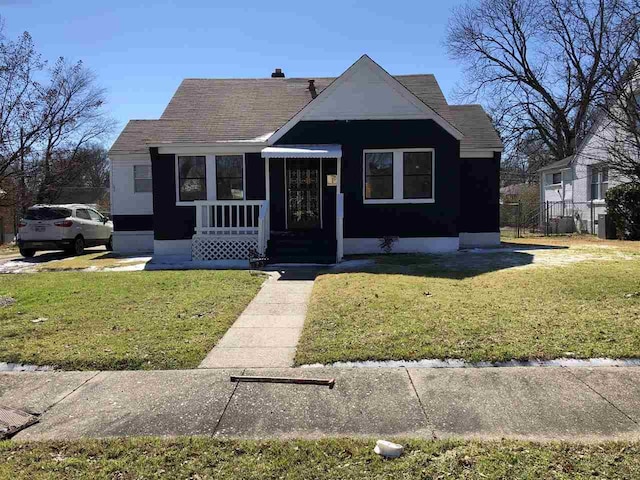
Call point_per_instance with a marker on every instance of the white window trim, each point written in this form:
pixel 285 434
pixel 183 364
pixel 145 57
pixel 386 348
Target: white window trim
pixel 599 183
pixel 398 177
pixel 135 192
pixel 210 180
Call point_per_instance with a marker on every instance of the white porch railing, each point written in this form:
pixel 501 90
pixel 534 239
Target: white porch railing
pixel 227 229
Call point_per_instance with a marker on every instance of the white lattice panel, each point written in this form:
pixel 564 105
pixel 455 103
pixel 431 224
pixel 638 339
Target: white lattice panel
pixel 223 248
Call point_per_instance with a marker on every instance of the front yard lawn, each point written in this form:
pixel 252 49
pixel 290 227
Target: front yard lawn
pixel 559 303
pixel 206 458
pixel 133 320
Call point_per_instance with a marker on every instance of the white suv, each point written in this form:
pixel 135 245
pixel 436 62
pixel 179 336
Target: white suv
pixel 63 227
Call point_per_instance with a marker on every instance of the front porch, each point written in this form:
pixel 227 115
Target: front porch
pixel 299 221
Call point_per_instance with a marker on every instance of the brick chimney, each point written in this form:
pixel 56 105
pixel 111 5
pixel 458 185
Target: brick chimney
pixel 312 88
pixel 277 73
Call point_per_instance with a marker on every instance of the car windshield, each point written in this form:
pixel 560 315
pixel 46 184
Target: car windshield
pixel 47 213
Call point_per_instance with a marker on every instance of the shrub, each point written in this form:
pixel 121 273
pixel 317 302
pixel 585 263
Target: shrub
pixel 623 206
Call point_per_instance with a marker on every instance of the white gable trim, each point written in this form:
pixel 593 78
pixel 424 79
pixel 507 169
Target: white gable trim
pixel 423 110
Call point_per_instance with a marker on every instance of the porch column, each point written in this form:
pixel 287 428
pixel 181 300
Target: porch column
pixel 339 212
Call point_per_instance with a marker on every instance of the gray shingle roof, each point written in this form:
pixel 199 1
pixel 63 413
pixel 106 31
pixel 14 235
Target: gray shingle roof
pixel 557 165
pixel 218 110
pixel 476 126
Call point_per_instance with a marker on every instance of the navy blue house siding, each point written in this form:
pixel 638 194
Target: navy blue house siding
pixel 439 219
pixel 480 194
pixel 170 222
pixel 254 176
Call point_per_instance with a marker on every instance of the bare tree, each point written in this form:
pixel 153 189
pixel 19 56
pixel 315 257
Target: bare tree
pixel 21 116
pixel 44 124
pixel 616 135
pixel 75 117
pixel 542 64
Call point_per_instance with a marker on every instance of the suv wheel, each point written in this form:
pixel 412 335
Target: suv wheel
pixel 110 244
pixel 27 252
pixel 78 246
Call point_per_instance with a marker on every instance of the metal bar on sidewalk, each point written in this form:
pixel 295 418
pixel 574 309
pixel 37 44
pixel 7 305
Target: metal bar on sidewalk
pixel 298 381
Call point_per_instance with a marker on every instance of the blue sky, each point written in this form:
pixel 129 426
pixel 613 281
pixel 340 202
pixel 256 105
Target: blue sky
pixel 141 50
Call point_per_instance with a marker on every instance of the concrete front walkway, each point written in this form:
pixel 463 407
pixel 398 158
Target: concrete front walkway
pixel 266 333
pixel 550 403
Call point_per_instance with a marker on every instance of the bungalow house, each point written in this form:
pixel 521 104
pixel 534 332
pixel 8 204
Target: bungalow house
pixel 307 169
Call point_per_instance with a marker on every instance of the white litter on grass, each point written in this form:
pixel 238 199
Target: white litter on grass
pixel 39 320
pixel 388 449
pixel 459 363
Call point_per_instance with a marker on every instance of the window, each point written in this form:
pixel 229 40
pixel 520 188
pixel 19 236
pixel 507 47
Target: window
pixel 83 214
pixel 556 178
pixel 599 183
pixel 417 172
pixel 399 176
pixel 141 178
pixel 95 216
pixel 192 178
pixel 229 177
pixel 47 213
pixel 378 175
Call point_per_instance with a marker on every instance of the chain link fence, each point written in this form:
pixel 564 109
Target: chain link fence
pixel 521 219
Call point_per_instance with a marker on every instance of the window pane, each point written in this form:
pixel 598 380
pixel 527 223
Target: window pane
pixel 47 213
pixel 378 163
pixel 417 163
pixel 229 166
pixel 594 175
pixel 83 214
pixel 141 171
pixel 191 167
pixel 417 174
pixel 229 188
pixel 142 185
pixel 594 191
pixel 605 175
pixel 557 178
pixel 193 189
pixel 379 187
pixel 192 178
pixel 417 186
pixel 95 216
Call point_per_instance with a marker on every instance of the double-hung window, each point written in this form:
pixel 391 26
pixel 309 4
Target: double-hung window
pixel 192 178
pixel 142 178
pixel 599 182
pixel 229 177
pixel 378 173
pixel 399 176
pixel 418 174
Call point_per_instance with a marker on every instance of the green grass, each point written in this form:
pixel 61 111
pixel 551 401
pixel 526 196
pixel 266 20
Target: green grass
pixel 475 308
pixel 133 320
pixel 345 459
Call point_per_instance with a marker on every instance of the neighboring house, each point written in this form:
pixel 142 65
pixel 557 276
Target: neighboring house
pixel 573 190
pixel 307 169
pixel 513 193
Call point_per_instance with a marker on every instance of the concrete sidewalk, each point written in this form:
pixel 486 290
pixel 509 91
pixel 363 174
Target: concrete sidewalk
pixel 489 403
pixel 267 332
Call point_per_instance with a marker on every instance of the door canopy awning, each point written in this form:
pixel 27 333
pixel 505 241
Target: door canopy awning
pixel 303 151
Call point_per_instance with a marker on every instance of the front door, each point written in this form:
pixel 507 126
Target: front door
pixel 303 193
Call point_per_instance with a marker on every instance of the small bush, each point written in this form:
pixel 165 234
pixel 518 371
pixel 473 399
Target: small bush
pixel 623 206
